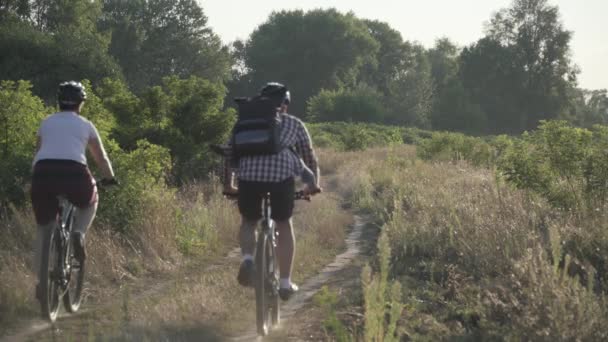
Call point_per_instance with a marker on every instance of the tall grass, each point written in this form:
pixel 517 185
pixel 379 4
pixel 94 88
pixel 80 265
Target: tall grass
pixel 479 259
pixel 176 226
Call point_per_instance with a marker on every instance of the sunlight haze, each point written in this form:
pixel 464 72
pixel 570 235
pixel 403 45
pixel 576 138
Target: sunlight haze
pixel 461 21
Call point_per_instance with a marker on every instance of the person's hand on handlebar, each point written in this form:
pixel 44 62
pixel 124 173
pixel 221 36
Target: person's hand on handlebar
pixel 311 191
pixel 230 190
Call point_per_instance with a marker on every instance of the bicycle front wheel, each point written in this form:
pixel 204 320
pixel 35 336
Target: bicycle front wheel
pixel 263 319
pixel 273 283
pixel 76 270
pixel 50 270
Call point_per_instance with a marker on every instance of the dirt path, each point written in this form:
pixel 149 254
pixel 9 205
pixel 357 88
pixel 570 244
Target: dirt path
pixel 289 310
pixel 116 319
pixel 31 329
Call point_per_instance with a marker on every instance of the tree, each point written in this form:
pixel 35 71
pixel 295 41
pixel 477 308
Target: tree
pixel 452 106
pixel 153 39
pixel 391 58
pixel 400 71
pixel 587 107
pixel 183 115
pixel 443 58
pixel 411 91
pixel 309 51
pixel 525 59
pixel 55 48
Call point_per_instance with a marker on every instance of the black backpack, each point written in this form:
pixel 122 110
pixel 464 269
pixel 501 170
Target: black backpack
pixel 257 129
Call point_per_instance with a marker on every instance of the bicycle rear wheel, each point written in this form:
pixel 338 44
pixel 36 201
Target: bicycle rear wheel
pixel 273 283
pixel 50 269
pixel 76 270
pixel 263 319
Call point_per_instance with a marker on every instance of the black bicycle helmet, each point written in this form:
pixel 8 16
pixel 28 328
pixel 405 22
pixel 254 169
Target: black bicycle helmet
pixel 276 90
pixel 71 93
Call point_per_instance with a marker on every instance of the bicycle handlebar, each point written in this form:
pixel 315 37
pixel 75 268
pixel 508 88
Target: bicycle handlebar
pixel 299 195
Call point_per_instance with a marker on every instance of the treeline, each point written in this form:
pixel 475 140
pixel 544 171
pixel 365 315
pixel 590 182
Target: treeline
pixel 343 68
pixel 339 67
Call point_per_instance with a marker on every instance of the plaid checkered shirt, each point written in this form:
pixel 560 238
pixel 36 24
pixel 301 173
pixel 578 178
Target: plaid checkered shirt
pixel 285 164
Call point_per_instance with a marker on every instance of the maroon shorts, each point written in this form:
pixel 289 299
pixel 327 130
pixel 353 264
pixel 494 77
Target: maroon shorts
pixel 60 177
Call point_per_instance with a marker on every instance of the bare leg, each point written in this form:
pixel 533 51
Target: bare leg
pixel 247 237
pixel 285 248
pixel 42 230
pixel 83 218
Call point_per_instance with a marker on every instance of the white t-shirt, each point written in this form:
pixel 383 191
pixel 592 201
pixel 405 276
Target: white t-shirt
pixel 65 135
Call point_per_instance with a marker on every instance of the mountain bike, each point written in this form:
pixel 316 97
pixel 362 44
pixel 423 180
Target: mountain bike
pixel 61 274
pixel 266 278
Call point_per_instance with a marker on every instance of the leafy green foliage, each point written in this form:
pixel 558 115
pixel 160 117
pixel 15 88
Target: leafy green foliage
pixel 142 173
pixel 328 300
pixel 383 305
pixel 520 72
pixel 563 163
pixel 64 45
pixel 186 116
pixel 456 146
pixel 360 104
pixel 153 39
pixel 309 51
pixel 20 115
pixel 349 136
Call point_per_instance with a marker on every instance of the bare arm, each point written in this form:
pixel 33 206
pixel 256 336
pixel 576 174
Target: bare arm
pixel 229 174
pixel 101 158
pixel 305 150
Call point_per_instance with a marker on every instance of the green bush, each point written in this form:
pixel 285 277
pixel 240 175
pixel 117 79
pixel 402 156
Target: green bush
pixel 456 146
pixel 565 164
pixel 344 136
pixel 360 104
pixel 142 173
pixel 20 116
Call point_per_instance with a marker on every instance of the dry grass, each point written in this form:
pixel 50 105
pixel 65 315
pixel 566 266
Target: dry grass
pixel 181 233
pixel 195 223
pixel 476 256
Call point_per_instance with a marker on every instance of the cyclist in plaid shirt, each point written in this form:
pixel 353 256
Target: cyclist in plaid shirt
pixel 276 174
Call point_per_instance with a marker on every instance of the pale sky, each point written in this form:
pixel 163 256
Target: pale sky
pixel 424 21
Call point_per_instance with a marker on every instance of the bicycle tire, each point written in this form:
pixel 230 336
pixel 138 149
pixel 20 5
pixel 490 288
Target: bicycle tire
pixel 49 268
pixel 273 276
pixel 73 294
pixel 261 302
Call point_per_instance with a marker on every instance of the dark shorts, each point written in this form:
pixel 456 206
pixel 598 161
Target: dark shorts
pixel 68 178
pixel 281 199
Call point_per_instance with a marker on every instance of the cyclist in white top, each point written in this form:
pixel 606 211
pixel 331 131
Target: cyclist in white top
pixel 60 168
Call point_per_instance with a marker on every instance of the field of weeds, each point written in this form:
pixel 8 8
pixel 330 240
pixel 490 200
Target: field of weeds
pixel 478 259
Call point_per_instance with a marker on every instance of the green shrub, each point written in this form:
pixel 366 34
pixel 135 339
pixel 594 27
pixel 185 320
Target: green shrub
pixel 20 116
pixel 449 146
pixel 354 136
pixel 360 104
pixel 142 173
pixel 565 164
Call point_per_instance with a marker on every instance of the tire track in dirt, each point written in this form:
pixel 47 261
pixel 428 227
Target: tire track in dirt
pixel 314 284
pixel 289 310
pixel 37 326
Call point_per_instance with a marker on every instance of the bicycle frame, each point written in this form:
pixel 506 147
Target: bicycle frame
pixel 268 225
pixel 65 229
